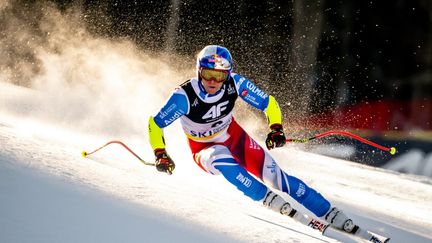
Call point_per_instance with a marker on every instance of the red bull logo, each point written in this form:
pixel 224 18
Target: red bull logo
pixel 215 58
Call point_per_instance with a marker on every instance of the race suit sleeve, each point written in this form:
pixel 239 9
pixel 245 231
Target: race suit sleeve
pixel 176 106
pixel 259 99
pixel 273 112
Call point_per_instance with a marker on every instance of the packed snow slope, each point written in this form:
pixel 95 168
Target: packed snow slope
pixel 49 193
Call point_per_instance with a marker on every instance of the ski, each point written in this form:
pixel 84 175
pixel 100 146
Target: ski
pixel 366 235
pixel 377 237
pixel 323 228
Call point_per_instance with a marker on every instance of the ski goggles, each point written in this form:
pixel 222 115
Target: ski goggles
pixel 219 76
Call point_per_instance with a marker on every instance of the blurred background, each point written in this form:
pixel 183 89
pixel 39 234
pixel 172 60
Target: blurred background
pixel 359 66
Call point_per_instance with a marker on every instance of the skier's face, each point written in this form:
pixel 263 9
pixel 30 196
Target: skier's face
pixel 211 86
pixel 213 80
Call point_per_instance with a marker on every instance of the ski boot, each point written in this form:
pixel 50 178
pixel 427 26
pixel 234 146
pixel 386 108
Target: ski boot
pixel 337 219
pixel 276 203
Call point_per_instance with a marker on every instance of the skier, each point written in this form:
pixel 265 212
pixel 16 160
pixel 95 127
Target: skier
pixel 219 145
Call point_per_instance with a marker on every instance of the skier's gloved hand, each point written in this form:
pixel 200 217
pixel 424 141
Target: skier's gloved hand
pixel 163 161
pixel 276 138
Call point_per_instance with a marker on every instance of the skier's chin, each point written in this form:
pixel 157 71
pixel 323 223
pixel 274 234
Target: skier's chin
pixel 212 90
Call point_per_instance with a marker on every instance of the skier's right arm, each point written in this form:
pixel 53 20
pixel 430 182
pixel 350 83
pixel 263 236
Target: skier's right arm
pixel 164 163
pixel 175 107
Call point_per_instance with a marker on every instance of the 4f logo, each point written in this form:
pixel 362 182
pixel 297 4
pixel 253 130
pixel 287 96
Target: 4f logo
pixel 215 111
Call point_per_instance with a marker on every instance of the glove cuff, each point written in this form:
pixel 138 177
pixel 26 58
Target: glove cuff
pixel 160 151
pixel 276 126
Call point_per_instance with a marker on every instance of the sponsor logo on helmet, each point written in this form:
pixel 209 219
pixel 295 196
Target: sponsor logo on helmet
pixel 215 58
pixel 219 62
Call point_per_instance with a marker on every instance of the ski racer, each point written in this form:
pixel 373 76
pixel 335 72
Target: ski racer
pixel 219 145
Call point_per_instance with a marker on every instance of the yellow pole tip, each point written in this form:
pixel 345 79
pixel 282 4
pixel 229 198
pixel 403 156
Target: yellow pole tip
pixel 392 150
pixel 84 153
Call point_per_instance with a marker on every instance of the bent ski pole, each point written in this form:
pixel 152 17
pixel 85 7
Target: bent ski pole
pixel 391 150
pixel 85 154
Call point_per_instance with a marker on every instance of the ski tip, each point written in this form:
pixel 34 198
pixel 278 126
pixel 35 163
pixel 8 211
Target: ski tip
pixel 392 150
pixel 84 154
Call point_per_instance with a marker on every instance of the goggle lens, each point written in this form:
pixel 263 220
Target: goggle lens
pixel 218 76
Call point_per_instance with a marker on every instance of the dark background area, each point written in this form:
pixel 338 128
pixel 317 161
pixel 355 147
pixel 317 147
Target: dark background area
pixel 313 57
pixel 359 65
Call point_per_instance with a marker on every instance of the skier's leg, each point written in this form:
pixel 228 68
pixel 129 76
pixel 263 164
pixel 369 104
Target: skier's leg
pixel 305 195
pixel 274 176
pixel 262 165
pixel 253 188
pixel 218 159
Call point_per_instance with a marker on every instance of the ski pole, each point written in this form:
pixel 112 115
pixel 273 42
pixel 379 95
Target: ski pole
pixel 85 154
pixel 391 150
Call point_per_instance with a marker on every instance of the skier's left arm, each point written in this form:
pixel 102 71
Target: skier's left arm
pixel 259 99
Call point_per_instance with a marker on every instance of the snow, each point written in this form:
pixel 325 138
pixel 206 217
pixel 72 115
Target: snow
pixel 49 193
